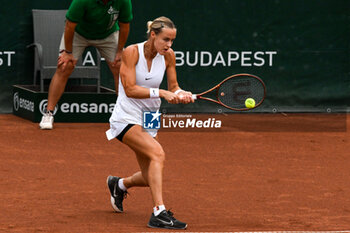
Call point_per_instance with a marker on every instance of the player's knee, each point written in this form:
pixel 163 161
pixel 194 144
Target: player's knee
pixel 158 155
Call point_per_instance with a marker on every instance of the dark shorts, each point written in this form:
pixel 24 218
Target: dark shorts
pixel 121 135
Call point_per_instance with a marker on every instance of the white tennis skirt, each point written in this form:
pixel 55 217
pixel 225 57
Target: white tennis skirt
pixel 117 127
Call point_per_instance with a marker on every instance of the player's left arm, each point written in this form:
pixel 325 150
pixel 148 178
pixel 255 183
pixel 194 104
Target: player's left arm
pixel 173 85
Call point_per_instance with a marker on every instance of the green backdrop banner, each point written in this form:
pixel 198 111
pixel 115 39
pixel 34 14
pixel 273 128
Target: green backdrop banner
pixel 299 48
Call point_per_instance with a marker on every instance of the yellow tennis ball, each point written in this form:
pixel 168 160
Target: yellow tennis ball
pixel 250 103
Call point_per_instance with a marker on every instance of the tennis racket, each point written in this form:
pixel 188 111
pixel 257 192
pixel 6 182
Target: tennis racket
pixel 234 90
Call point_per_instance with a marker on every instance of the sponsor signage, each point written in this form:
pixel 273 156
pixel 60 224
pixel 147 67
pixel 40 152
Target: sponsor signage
pixel 209 58
pixel 222 59
pixel 72 107
pixel 6 58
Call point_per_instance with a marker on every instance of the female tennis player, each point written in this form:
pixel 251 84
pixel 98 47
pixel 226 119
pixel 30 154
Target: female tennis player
pixel 141 72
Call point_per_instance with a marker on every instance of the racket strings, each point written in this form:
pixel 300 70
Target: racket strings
pixel 235 91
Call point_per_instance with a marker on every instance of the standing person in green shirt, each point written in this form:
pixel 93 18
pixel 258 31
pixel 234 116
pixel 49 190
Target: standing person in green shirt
pixel 103 24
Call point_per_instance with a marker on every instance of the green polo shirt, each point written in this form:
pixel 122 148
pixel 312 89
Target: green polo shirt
pixel 95 20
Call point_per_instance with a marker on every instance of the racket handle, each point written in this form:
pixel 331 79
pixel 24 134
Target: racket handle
pixel 194 96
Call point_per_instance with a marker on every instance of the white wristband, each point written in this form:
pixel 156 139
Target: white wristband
pixel 154 92
pixel 177 91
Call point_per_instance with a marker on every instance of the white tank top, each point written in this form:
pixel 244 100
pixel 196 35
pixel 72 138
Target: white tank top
pixel 130 110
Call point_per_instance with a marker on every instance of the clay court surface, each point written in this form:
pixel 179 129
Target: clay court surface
pixel 294 177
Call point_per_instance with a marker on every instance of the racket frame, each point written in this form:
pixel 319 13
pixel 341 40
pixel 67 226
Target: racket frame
pixel 200 95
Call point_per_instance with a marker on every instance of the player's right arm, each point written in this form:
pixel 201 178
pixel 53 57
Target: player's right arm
pixel 130 58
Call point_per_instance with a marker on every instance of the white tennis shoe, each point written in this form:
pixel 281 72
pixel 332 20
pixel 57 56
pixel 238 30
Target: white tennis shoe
pixel 46 121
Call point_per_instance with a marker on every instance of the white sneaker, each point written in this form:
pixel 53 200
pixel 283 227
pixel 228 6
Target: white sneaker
pixel 46 121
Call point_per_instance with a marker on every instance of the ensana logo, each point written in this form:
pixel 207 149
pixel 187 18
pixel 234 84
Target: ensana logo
pixel 16 101
pixel 43 105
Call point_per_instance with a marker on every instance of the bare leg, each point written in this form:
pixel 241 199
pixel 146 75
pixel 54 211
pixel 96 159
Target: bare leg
pixel 137 179
pixel 58 84
pixel 150 156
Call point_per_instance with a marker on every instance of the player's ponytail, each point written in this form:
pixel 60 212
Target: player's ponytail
pixel 149 25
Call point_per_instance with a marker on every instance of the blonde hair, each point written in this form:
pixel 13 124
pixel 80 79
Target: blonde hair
pixel 158 24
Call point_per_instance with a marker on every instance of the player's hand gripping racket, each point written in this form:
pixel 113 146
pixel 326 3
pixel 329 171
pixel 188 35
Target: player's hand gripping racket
pixel 234 90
